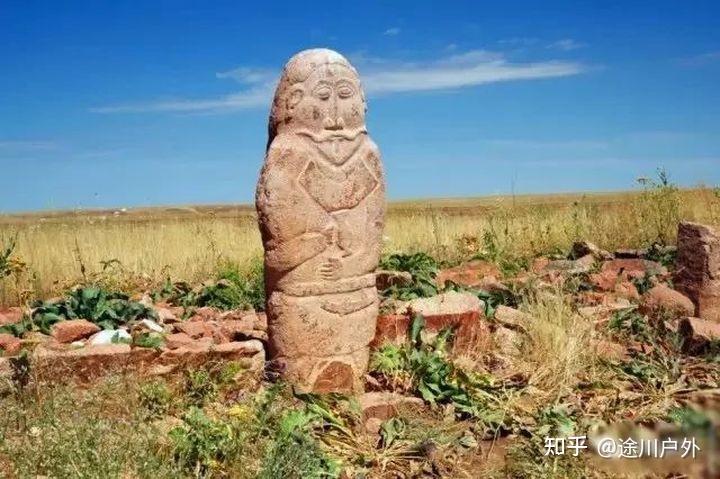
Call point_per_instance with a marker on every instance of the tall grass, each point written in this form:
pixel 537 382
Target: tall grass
pixel 141 252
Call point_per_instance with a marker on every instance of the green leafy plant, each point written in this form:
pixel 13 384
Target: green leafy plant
pixel 437 379
pixel 200 444
pixel 631 323
pixel 156 398
pixel 107 309
pixel 231 289
pixel 149 340
pixel 200 386
pixel 422 267
pixel 294 453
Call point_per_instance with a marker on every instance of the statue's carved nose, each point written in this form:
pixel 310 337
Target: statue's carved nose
pixel 336 124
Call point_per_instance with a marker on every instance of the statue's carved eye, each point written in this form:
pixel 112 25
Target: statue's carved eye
pixel 345 91
pixel 323 92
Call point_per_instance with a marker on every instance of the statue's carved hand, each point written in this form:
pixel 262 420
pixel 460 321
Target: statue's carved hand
pixel 330 269
pixel 330 232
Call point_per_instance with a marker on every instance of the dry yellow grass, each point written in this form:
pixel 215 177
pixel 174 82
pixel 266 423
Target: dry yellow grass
pixel 187 243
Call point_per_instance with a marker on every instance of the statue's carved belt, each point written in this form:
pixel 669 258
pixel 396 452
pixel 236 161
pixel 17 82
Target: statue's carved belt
pixel 344 285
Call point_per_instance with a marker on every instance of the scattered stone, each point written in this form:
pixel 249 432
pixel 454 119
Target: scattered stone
pixel 385 405
pixel 633 268
pixel 570 266
pixel 84 363
pixel 205 313
pixel 110 336
pixel 506 341
pixel 321 219
pixel 73 330
pixel 610 350
pixel 167 315
pixel 584 248
pixel 385 279
pixel 511 317
pixel 177 340
pixel 697 268
pixel 452 302
pixel 10 316
pixel 662 299
pixel 472 274
pixel 463 312
pixel 151 325
pixel 250 354
pixel 203 329
pixel 9 344
pixel 630 253
pixel 698 333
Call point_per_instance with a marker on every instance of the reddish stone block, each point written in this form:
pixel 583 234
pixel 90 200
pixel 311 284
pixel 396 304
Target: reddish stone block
pixel 471 274
pixel 9 344
pixel 73 330
pixel 10 316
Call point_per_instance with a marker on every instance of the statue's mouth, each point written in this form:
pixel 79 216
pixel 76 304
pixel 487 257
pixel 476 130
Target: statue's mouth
pixel 336 146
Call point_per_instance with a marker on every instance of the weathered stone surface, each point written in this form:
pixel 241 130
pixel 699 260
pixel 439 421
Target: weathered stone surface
pixel 661 299
pixel 462 312
pixel 511 317
pixel 250 354
pixel 321 207
pixel 10 316
pixel 177 340
pixel 633 268
pixel 385 279
pixel 570 266
pixel 698 333
pixel 584 248
pixel 610 350
pixel 53 363
pixel 385 405
pixel 9 344
pixel 697 268
pixel 73 330
pixel 452 302
pixel 472 274
pixel 506 341
pixel 84 364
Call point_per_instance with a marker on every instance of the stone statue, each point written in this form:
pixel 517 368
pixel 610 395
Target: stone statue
pixel 321 207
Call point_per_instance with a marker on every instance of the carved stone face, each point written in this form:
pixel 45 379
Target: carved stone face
pixel 328 104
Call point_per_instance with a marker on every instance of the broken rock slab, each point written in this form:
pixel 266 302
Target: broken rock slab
pixel 10 316
pixel 73 330
pixel 378 407
pixel 661 299
pixel 698 333
pixel 463 312
pixel 473 274
pixel 9 344
pixel 53 363
pixel 697 268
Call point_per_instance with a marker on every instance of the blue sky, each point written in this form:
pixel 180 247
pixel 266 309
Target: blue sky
pixel 111 104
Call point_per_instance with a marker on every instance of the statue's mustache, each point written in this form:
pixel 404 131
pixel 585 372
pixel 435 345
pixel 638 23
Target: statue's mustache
pixel 333 135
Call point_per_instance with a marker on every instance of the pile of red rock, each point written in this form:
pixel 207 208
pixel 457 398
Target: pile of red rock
pixel 78 348
pixel 691 306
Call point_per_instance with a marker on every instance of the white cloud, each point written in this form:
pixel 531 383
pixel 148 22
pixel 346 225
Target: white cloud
pixel 566 45
pixel 701 60
pixel 379 76
pixel 247 75
pixel 391 32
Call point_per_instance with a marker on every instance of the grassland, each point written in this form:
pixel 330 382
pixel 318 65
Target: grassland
pixel 138 249
pixel 487 410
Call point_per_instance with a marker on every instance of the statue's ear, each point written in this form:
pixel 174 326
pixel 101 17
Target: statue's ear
pixel 295 96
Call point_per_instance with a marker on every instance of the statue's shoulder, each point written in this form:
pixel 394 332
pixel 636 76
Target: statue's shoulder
pixel 286 151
